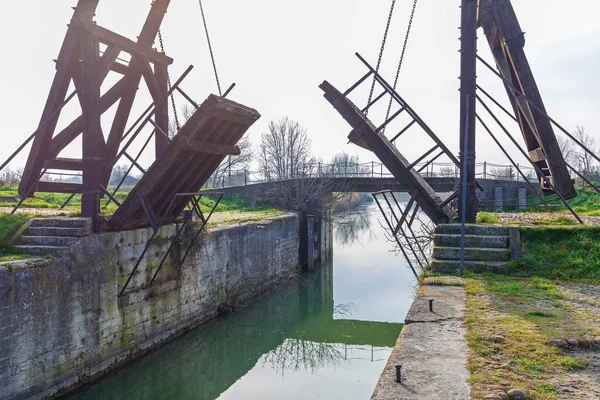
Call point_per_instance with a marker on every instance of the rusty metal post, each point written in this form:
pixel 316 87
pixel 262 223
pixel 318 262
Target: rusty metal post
pixel 468 84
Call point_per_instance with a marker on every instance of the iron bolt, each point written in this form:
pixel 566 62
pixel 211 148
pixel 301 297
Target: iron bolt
pixel 398 373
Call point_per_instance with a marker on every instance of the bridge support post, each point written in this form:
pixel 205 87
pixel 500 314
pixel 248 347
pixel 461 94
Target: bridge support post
pixel 468 83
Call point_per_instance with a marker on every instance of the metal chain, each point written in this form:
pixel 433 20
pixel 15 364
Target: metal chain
pixel 383 42
pixel 212 56
pixel 410 22
pixel 162 48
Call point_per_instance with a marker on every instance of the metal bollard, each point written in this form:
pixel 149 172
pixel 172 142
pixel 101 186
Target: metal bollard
pixel 398 373
pixel 430 305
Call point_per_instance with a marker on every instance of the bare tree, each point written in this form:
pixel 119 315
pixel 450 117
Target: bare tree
pixel 284 150
pixel 566 148
pixel 448 172
pixel 585 163
pixel 507 173
pixel 10 176
pixel 346 165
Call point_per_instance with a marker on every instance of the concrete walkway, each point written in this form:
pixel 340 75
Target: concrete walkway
pixel 432 348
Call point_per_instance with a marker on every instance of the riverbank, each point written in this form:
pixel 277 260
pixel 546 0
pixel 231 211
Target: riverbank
pixel 64 323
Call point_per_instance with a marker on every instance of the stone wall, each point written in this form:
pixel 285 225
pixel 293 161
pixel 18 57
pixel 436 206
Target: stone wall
pixel 62 322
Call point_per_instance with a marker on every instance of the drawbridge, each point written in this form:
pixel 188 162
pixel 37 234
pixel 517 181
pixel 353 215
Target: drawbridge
pixel 184 156
pixel 506 40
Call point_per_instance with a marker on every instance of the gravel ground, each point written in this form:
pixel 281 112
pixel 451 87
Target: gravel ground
pixel 536 218
pixel 38 211
pixel 583 299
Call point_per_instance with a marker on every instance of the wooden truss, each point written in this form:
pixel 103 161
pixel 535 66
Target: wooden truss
pixel 507 42
pixel 80 61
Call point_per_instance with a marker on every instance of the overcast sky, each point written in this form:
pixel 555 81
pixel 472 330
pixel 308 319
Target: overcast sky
pixel 279 51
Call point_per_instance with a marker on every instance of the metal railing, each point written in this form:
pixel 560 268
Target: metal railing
pixel 373 169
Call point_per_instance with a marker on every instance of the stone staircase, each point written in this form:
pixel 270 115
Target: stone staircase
pixel 53 235
pixel 487 248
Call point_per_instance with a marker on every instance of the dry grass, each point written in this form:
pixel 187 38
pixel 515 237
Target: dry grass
pixel 528 312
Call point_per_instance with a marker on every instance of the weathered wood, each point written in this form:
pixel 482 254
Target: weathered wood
pixel 84 10
pixel 162 110
pixel 182 169
pixel 468 83
pixel 135 49
pixel 108 60
pixel 65 164
pixel 355 138
pixel 209 148
pixel 507 42
pixel 92 141
pixel 74 129
pixel 59 187
pixel 396 163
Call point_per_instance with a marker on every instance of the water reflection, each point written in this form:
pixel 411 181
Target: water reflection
pixel 353 227
pixel 320 336
pixel 292 331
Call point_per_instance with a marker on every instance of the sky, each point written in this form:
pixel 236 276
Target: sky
pixel 279 51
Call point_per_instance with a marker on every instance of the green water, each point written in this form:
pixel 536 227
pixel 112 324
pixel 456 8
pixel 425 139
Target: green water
pixel 324 336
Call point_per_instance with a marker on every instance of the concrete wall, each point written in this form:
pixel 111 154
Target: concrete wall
pixel 62 322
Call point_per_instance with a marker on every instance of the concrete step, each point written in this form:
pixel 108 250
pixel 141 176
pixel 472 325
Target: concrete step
pixel 48 240
pixel 48 231
pixel 490 242
pixel 452 266
pixel 62 223
pixel 41 250
pixel 471 254
pixel 477 230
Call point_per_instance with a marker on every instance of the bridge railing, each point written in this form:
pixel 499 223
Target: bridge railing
pixel 373 169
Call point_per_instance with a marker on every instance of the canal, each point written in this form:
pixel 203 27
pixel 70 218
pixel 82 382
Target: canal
pixel 322 336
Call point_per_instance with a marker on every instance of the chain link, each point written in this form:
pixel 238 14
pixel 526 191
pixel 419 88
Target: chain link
pixel 383 42
pixel 162 49
pixel 210 49
pixel 410 22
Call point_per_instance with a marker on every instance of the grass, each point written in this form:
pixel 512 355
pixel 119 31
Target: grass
pixel 559 253
pixel 528 312
pixel 486 218
pixel 9 224
pixel 587 202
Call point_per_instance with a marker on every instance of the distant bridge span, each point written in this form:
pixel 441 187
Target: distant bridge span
pixel 496 193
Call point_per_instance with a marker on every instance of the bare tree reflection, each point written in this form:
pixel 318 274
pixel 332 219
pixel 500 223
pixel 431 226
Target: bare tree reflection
pixel 353 226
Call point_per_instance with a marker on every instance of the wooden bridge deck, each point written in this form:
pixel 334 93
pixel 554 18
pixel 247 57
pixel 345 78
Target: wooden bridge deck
pixel 193 155
pixel 429 201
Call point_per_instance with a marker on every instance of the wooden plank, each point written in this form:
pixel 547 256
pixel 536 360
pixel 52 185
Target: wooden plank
pixel 109 37
pixel 396 163
pixel 65 164
pixel 209 148
pixel 182 169
pixel 507 42
pixel 59 187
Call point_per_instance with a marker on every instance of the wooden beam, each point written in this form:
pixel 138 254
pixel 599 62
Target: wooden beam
pixel 161 113
pixel 93 141
pixel 59 187
pixel 108 60
pixel 209 148
pixel 66 164
pixel 135 49
pixel 74 129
